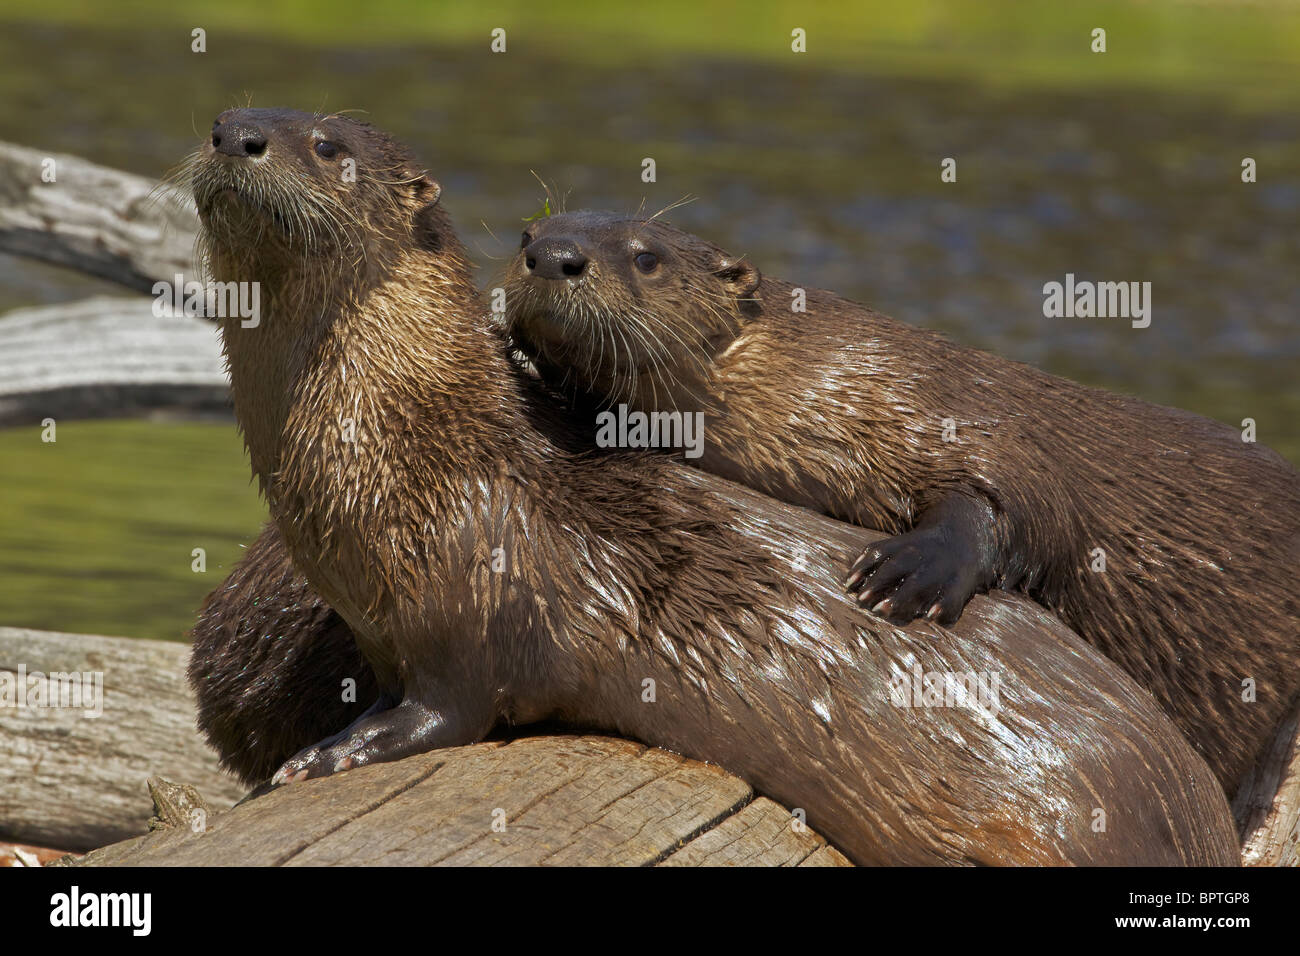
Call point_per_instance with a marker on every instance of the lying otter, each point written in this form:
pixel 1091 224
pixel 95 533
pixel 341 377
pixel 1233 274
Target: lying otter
pixel 493 568
pixel 269 664
pixel 989 473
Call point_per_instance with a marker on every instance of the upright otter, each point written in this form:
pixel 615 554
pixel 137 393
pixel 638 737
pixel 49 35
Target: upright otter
pixel 492 568
pixel 989 473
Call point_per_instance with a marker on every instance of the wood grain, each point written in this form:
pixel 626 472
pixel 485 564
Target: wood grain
pixel 73 781
pixel 1267 806
pixel 534 801
pixel 94 219
pixel 108 357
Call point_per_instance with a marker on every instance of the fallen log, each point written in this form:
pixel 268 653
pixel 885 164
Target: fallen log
pixel 76 781
pixel 81 782
pixel 532 801
pixel 97 220
pixel 1267 805
pixel 108 357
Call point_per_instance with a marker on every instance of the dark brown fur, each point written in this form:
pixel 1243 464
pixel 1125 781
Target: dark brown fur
pixel 841 409
pixel 623 568
pixel 269 662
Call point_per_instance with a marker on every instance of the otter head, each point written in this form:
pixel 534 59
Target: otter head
pixel 630 310
pixel 285 194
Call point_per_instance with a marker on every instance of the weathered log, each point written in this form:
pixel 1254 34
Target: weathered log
pixel 108 357
pixel 76 782
pixel 105 356
pixel 81 782
pixel 1267 805
pixel 532 801
pixel 98 220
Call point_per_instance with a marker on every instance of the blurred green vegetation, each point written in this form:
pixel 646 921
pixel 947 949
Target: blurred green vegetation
pixel 97 528
pixel 1245 50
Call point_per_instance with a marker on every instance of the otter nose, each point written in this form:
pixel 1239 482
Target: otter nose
pixel 555 259
pixel 237 137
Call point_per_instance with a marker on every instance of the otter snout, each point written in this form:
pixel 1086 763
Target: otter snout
pixel 238 136
pixel 554 258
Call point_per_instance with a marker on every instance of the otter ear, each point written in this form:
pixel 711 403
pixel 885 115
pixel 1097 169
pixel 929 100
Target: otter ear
pixel 427 190
pixel 429 224
pixel 740 278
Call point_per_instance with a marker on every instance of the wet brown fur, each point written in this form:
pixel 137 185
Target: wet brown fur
pixel 268 665
pixel 841 409
pixel 622 568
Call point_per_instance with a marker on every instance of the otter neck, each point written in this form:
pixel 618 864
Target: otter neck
pixel 326 347
pixel 266 360
pixel 385 412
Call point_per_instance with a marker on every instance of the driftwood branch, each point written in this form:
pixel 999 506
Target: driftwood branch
pixel 104 356
pixel 107 357
pixel 94 219
pixel 559 801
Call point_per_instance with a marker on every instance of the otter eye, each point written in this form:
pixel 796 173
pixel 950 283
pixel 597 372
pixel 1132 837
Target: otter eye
pixel 526 240
pixel 326 149
pixel 647 262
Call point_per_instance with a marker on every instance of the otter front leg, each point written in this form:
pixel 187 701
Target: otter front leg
pixel 384 732
pixel 934 569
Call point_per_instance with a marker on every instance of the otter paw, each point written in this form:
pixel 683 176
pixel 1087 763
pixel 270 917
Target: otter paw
pixel 375 737
pixel 913 575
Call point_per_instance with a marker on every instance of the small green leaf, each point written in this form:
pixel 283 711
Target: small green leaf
pixel 542 213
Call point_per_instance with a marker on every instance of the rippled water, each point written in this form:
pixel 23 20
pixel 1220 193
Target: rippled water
pixel 826 178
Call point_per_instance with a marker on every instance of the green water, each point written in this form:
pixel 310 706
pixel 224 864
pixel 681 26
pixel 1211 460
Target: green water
pixel 98 529
pixel 822 168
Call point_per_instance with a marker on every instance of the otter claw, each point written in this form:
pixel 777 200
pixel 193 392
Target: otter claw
pixel 919 574
pixel 382 735
pixel 287 775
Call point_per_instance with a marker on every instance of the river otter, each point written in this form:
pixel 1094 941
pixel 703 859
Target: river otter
pixel 269 663
pixel 492 567
pixel 987 472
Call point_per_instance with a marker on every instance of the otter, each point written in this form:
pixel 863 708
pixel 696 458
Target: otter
pixel 269 665
pixel 986 472
pixel 493 568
